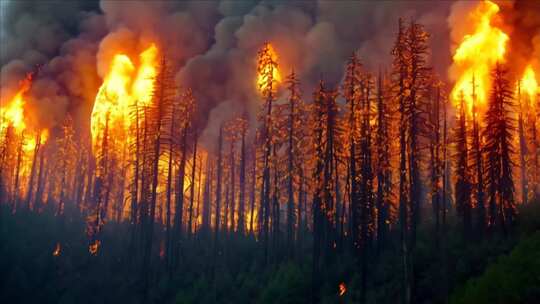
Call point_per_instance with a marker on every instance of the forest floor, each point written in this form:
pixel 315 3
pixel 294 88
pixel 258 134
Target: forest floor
pixel 44 260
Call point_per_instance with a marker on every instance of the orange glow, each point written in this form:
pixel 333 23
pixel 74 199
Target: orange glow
pixel 528 83
pixel 268 72
pixel 94 247
pixel 477 55
pixel 124 85
pixel 57 250
pixel 342 289
pixel 30 144
pixel 162 249
pixel 13 113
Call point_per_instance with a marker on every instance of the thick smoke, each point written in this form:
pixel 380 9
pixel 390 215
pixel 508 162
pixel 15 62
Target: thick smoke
pixel 521 20
pixel 212 45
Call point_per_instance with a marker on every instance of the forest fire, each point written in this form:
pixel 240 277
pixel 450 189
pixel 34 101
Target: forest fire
pixel 31 142
pixel 268 72
pixel 477 55
pixel 529 84
pixel 124 86
pixel 13 113
pixel 182 144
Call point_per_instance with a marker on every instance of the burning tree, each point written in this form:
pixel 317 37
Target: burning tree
pixel 267 83
pixel 499 151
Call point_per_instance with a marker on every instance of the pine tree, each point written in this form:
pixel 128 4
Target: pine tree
pixel 243 126
pixel 383 167
pixel 463 182
pixel 523 153
pixel 478 164
pixel 499 151
pixel 350 92
pixel 30 188
pixel 366 179
pixel 294 137
pixel 400 79
pixel 162 98
pixel 318 209
pixel 436 164
pixel 266 67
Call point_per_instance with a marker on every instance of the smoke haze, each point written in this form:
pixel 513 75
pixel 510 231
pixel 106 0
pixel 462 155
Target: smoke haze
pixel 213 46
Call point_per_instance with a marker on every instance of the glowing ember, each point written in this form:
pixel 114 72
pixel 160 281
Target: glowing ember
pixel 13 113
pixel 94 247
pixel 477 54
pixel 342 289
pixel 57 250
pixel 529 85
pixel 162 249
pixel 123 86
pixel 268 73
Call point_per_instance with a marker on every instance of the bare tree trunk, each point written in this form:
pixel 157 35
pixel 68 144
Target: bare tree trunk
pixel 192 190
pixel 198 206
pixel 252 192
pixel 523 154
pixel 206 216
pixel 242 198
pixel 40 182
pixel 233 188
pixel 15 195
pixel 179 201
pixel 168 246
pixel 33 171
pixel 218 202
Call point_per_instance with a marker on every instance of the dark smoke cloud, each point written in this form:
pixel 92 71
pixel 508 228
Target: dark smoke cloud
pixel 521 20
pixel 213 46
pixel 314 39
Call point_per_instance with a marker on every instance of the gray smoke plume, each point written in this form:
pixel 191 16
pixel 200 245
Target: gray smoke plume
pixel 213 47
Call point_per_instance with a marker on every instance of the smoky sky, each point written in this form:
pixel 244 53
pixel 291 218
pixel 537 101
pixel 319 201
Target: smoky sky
pixel 211 44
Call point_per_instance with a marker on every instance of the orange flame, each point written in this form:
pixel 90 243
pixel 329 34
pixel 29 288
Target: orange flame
pixel 268 72
pixel 477 54
pixel 123 86
pixel 528 83
pixel 13 113
pixel 342 289
pixel 94 247
pixel 57 249
pixel 31 143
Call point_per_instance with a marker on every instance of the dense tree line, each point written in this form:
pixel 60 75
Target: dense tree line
pixel 354 171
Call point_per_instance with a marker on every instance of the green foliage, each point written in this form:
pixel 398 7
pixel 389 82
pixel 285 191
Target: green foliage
pixel 513 279
pixel 31 274
pixel 287 285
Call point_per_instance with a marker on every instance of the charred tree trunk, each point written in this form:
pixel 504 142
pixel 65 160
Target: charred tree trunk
pixel 479 170
pixel 30 188
pixel 40 182
pixel 252 192
pixel 523 153
pixel 192 190
pixel 207 199
pixel 179 201
pixel 242 198
pixel 170 151
pixel 218 203
pixel 15 191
